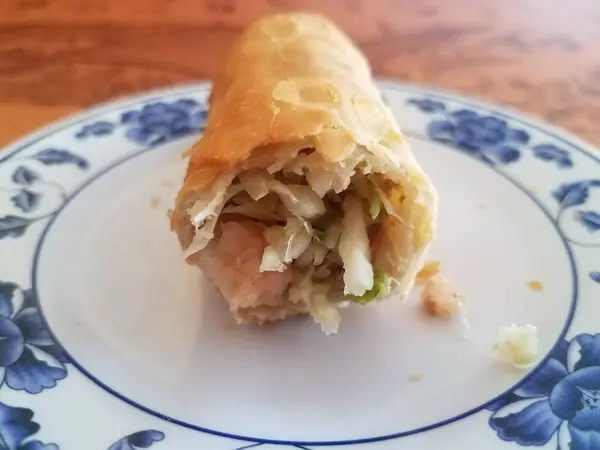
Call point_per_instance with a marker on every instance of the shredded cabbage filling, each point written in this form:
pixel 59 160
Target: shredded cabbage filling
pixel 322 221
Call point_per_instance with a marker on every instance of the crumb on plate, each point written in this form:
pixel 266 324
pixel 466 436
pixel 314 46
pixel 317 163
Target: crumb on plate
pixel 517 345
pixel 429 270
pixel 441 298
pixel 154 202
pixel 167 184
pixel 535 285
pixel 415 377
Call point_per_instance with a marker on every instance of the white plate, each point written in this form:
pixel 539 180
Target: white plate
pixel 108 340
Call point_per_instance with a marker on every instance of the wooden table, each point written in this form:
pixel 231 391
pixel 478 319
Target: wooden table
pixel 541 56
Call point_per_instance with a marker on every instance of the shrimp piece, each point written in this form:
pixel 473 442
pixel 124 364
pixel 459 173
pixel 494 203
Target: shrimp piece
pixel 231 262
pixel 441 298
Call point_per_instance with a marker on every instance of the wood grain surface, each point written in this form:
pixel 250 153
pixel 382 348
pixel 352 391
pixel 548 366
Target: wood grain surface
pixel 540 56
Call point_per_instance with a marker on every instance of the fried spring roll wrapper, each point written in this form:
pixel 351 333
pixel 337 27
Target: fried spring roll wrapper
pixel 293 82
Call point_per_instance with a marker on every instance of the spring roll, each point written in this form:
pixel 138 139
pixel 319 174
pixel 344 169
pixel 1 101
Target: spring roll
pixel 302 194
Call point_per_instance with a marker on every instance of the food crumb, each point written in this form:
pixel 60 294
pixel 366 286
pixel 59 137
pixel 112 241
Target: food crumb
pixel 415 377
pixel 533 190
pixel 429 270
pixel 154 202
pixel 535 285
pixel 441 298
pixel 167 184
pixel 517 345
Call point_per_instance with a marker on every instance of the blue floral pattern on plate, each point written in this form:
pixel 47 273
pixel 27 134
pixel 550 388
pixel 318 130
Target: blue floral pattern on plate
pixel 55 157
pixel 565 391
pixel 561 401
pixel 485 136
pixel 136 441
pixel 576 194
pixel 96 129
pixel 17 430
pixel 27 192
pixel 563 396
pixel 161 122
pixel 29 358
pixel 16 427
pixel 154 124
pixel 493 141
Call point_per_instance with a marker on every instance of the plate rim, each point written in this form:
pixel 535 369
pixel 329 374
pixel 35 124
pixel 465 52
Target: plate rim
pixel 158 94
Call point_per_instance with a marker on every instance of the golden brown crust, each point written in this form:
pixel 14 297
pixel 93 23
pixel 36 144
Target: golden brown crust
pixel 294 78
pixel 244 115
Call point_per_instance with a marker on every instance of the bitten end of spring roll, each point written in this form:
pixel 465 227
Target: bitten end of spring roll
pixel 302 194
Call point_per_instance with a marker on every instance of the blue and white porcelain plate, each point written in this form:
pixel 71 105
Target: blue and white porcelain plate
pixel 109 341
